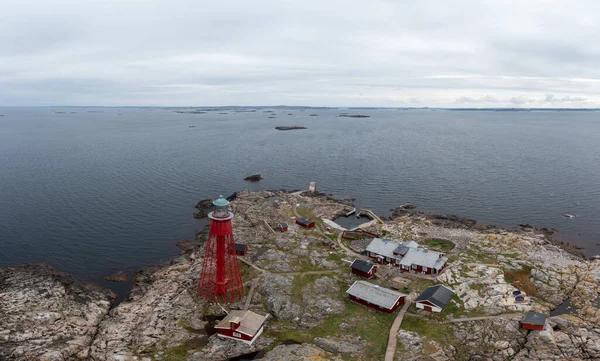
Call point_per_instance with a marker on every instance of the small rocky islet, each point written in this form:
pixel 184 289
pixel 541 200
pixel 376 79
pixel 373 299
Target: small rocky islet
pixel 301 284
pixel 289 127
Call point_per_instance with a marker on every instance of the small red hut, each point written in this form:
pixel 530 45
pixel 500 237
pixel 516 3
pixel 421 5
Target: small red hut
pixel 363 268
pixel 305 222
pixel 533 321
pixel 283 227
pixel 241 249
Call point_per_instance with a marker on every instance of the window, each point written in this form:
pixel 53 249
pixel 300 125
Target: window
pixel 237 334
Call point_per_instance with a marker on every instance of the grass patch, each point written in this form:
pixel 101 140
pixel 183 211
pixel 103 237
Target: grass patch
pixel 370 325
pixel 307 213
pixel 480 257
pixel 300 282
pixel 335 257
pixel 520 279
pixel 417 285
pixel 177 353
pixel 438 244
pixel 438 332
pixel 352 236
pixel 332 237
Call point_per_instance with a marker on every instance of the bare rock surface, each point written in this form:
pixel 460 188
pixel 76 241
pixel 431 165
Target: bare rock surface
pixel 161 312
pixel 301 352
pixel 219 348
pixel 45 315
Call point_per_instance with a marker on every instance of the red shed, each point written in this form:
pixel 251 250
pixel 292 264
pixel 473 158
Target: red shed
pixel 241 249
pixel 374 296
pixel 283 227
pixel 305 222
pixel 533 321
pixel 363 268
pixel 243 326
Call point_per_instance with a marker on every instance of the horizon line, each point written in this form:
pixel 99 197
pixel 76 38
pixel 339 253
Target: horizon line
pixel 294 106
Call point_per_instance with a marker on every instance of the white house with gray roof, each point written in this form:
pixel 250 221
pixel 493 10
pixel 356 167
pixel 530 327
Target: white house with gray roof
pixel 407 255
pixel 374 296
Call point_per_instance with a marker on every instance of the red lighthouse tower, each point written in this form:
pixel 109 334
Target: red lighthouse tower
pixel 220 280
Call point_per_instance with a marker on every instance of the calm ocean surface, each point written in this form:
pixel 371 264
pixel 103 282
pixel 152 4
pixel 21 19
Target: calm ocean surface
pixel 96 190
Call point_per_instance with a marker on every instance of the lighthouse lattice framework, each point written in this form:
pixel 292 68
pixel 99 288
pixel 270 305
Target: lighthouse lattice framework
pixel 220 280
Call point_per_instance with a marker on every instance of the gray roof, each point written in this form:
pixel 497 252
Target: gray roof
pixel 423 257
pixel 304 220
pixel 362 266
pixel 534 318
pixel 439 295
pixel 440 263
pixel 372 293
pixel 240 247
pixel 410 244
pixel 401 250
pixel 384 247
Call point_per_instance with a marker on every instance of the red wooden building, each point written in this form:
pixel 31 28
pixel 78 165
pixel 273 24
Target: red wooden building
pixel 305 222
pixel 363 268
pixel 282 227
pixel 241 249
pixel 376 297
pixel 243 326
pixel 533 321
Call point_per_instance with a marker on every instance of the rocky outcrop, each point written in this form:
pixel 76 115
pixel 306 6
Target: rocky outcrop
pixel 254 178
pixel 161 312
pixel 204 207
pixel 299 353
pixel 45 315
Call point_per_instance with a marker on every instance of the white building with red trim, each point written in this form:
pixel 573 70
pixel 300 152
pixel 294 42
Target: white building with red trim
pixel 243 326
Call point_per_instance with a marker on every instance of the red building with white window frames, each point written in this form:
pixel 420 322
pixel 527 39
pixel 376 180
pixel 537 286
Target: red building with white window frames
pixel 434 298
pixel 243 326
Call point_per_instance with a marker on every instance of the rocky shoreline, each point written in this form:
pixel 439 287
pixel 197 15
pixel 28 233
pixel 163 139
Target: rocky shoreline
pixel 45 315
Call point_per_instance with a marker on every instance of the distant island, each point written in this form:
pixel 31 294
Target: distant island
pixel 354 115
pixel 292 127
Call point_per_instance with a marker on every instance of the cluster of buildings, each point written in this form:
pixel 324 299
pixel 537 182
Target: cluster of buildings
pixel 246 326
pixel 408 256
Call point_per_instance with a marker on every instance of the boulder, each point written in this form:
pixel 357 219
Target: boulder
pixel 254 178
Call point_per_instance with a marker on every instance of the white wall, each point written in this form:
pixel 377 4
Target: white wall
pixel 433 308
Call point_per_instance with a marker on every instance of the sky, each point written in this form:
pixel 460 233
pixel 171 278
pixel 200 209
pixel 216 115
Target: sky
pixel 395 53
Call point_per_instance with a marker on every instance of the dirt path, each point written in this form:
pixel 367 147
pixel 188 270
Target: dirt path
pixel 504 315
pixel 392 339
pixel 251 293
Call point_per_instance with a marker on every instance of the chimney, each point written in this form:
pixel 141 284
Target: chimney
pixel 234 325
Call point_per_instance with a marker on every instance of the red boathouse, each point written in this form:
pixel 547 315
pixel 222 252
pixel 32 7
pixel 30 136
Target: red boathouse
pixel 305 222
pixel 363 268
pixel 243 326
pixel 376 297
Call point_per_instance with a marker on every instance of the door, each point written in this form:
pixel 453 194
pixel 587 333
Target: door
pixel 427 308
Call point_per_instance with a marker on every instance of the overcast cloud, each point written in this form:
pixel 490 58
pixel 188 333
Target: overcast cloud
pixel 323 53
